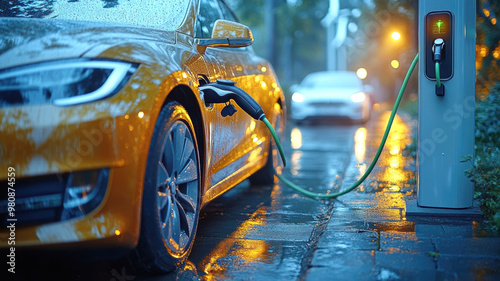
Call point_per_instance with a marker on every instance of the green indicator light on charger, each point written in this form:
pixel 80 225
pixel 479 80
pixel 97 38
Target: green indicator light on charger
pixel 439 27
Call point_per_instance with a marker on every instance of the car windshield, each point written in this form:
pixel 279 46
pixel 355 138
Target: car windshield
pixel 332 79
pixel 164 14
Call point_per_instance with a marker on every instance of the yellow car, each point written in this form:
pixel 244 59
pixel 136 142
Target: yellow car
pixel 107 141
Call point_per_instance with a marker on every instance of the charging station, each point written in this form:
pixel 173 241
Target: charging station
pixel 446 109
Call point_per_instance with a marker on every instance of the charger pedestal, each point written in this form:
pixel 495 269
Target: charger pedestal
pixel 446 123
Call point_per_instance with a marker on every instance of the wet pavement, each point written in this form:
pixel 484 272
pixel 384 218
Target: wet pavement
pixel 274 233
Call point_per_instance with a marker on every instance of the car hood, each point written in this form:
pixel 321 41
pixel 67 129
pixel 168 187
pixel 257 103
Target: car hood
pixel 25 41
pixel 325 94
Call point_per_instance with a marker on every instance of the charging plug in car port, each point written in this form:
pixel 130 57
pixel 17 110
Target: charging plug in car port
pixel 223 91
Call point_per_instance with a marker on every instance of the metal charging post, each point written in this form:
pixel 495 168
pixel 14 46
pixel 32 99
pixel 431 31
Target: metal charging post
pixel 446 115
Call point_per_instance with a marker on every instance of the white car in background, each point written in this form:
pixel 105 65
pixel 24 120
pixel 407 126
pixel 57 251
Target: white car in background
pixel 327 94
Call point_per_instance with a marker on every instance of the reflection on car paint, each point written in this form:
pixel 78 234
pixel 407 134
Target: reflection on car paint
pixel 100 227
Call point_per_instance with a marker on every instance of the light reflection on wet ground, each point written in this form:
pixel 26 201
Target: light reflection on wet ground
pixel 362 235
pixel 271 232
pixel 323 157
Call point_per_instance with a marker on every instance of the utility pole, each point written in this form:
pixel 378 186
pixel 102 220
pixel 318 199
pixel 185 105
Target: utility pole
pixel 336 22
pixel 329 23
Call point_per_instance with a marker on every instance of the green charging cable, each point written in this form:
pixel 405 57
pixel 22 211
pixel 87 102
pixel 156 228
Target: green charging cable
pixel 438 75
pixel 276 138
pixel 375 159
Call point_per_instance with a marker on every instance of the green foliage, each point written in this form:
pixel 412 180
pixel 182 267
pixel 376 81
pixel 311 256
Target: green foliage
pixel 488 45
pixel 485 172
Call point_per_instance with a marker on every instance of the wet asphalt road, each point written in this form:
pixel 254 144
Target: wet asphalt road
pixel 274 233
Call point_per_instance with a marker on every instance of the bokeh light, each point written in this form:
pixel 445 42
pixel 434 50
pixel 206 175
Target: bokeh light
pixel 395 64
pixel 395 35
pixel 362 73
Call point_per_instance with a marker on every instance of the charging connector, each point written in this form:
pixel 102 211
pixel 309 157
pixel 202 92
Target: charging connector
pixel 438 50
pixel 223 91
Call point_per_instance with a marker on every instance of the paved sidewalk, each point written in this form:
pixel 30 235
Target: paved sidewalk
pixel 369 237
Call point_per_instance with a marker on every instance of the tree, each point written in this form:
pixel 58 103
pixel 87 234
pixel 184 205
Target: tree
pixel 487 46
pixel 298 40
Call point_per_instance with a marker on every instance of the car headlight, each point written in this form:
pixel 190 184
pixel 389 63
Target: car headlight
pixel 64 82
pixel 358 97
pixel 298 97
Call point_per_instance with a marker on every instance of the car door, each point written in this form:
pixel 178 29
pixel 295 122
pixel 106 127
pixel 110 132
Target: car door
pixel 230 137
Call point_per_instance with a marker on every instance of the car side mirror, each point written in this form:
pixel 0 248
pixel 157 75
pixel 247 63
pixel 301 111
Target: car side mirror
pixel 227 34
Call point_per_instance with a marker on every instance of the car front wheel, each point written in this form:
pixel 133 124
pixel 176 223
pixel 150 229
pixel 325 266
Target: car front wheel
pixel 171 199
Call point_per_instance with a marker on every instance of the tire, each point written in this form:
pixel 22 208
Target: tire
pixel 172 194
pixel 265 175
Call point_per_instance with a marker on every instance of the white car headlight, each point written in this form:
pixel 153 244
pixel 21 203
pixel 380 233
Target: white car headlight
pixel 298 97
pixel 358 97
pixel 64 82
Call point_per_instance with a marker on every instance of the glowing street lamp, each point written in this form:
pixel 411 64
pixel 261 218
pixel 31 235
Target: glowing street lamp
pixel 362 73
pixel 396 36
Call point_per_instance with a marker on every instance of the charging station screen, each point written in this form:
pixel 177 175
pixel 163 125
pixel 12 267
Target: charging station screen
pixel 439 25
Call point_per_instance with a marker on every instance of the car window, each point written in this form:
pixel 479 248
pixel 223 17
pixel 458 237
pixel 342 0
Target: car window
pixel 166 15
pixel 209 12
pixel 227 13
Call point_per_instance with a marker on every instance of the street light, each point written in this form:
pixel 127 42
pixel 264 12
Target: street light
pixel 362 73
pixel 395 35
